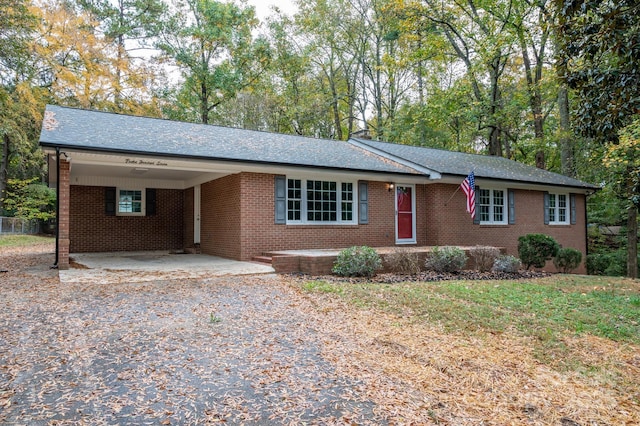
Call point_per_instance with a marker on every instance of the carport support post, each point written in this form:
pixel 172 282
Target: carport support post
pixel 63 214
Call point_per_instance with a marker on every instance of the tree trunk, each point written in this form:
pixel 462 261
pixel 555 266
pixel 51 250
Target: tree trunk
pixel 204 104
pixel 567 165
pixel 632 242
pixel 4 169
pixel 495 127
pixel 378 90
pixel 120 58
pixel 566 145
pixel 533 86
pixel 335 107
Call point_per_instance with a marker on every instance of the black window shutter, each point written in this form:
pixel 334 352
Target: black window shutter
pixel 363 202
pixel 110 201
pixel 546 208
pixel 476 219
pixel 150 201
pixel 280 199
pixel 572 204
pixel 512 206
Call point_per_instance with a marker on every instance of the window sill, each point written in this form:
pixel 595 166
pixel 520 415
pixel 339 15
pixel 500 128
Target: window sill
pixel 323 226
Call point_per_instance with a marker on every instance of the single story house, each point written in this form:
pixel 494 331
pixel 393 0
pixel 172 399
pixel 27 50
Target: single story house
pixel 130 183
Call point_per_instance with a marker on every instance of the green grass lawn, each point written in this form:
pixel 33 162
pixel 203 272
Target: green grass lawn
pixel 23 240
pixel 546 309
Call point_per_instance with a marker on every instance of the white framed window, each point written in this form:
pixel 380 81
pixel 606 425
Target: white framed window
pixel 317 201
pixel 130 202
pixel 559 209
pixel 492 206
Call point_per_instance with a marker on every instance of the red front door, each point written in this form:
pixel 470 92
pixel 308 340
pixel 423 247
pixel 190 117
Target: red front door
pixel 405 212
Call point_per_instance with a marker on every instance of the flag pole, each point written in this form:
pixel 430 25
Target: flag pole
pixel 454 193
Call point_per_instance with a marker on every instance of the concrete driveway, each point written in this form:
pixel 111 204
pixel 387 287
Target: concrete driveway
pixel 146 266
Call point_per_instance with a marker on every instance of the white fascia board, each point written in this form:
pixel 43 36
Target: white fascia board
pixel 432 174
pixel 527 186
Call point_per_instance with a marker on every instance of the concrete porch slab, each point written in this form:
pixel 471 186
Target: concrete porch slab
pixel 119 267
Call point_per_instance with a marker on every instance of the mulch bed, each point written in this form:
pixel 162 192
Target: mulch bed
pixel 432 276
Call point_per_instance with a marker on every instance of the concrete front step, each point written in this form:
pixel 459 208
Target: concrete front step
pixel 194 249
pixel 262 259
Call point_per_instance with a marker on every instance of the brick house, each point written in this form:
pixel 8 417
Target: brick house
pixel 133 183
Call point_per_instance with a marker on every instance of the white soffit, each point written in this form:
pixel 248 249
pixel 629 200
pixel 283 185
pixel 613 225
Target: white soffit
pixel 89 168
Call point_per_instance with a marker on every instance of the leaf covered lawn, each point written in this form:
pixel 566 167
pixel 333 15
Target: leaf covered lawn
pixel 260 350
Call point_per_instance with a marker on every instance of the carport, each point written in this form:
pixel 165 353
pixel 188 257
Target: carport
pixel 144 266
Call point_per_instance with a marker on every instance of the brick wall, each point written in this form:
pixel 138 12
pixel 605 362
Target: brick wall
pixel 260 233
pixel 91 230
pixel 220 226
pixel 449 224
pixel 238 221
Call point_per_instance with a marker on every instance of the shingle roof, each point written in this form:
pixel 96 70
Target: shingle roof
pixel 484 166
pixel 117 133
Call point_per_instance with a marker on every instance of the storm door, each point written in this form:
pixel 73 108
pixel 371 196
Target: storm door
pixel 405 214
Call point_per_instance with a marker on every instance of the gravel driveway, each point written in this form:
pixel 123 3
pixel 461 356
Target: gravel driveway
pixel 239 350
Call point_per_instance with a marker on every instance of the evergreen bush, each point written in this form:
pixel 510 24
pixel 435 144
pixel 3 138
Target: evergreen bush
pixel 613 264
pixel 357 261
pixel 567 259
pixel 535 249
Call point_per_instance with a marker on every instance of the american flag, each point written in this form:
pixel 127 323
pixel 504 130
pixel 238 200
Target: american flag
pixel 469 188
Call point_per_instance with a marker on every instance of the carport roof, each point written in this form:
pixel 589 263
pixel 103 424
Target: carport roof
pixel 96 131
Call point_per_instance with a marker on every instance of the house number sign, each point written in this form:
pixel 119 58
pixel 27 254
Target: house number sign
pixel 139 162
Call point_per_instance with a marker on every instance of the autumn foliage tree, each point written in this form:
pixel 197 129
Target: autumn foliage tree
pixel 129 26
pixel 20 102
pixel 82 66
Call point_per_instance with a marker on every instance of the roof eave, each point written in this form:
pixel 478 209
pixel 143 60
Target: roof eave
pixel 523 184
pixel 83 148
